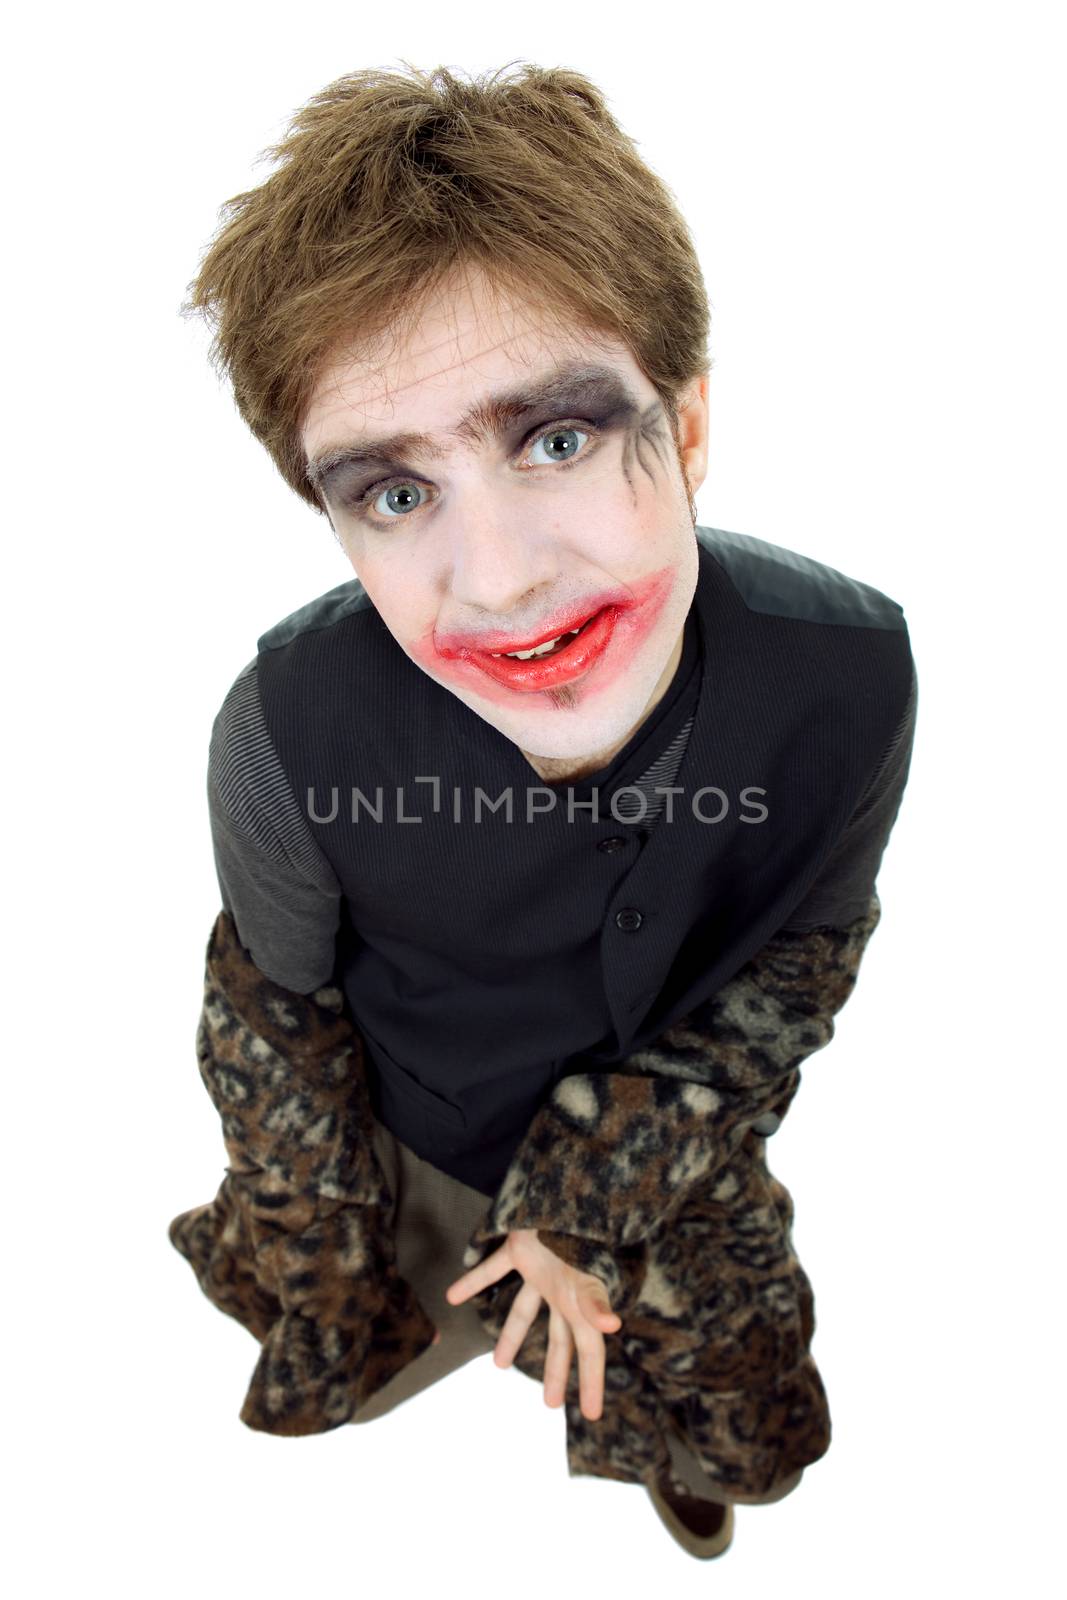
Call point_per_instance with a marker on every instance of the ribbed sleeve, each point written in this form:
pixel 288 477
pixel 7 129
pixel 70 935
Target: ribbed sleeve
pixel 280 890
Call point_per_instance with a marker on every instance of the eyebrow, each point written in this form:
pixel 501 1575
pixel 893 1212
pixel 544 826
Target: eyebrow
pixel 565 389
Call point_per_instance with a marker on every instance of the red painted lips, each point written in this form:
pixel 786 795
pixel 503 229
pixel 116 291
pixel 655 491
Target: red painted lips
pixel 566 663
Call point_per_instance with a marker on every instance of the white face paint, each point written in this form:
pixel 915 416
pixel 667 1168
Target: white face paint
pixel 522 524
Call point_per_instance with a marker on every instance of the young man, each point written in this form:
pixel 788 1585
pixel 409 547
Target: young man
pixel 547 845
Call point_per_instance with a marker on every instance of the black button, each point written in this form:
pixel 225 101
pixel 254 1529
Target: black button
pixel 628 919
pixel 613 843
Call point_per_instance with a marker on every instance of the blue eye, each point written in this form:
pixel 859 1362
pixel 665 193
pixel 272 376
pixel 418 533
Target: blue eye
pixel 400 497
pixel 568 436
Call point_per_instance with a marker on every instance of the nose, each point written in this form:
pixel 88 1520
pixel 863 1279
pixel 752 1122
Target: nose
pixel 496 561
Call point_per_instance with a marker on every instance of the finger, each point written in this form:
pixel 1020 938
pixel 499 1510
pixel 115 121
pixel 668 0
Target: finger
pixel 488 1271
pixel 520 1318
pixel 558 1358
pixel 591 1362
pixel 596 1307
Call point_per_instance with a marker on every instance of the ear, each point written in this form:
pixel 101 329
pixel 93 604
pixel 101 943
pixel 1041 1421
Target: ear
pixel 693 432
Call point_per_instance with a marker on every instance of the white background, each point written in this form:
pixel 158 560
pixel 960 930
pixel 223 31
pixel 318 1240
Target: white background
pixel 876 195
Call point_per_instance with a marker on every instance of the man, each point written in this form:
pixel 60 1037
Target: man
pixel 467 323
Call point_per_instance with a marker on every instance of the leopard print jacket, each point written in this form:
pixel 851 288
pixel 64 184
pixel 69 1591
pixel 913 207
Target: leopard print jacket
pixel 652 1176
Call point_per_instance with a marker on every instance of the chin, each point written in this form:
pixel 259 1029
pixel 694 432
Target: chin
pixel 555 735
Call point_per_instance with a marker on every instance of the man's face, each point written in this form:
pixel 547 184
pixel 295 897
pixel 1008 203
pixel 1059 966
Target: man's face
pixel 521 516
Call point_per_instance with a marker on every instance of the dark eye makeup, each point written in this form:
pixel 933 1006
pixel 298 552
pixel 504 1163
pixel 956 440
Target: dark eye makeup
pixel 360 500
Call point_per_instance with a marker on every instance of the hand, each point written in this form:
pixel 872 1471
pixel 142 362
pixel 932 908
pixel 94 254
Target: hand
pixel 579 1314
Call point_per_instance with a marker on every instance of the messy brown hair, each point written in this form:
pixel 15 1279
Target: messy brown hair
pixel 387 183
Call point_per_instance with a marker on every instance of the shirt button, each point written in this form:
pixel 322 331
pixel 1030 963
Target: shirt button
pixel 615 842
pixel 628 919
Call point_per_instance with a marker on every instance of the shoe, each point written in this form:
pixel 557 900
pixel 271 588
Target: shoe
pixel 703 1528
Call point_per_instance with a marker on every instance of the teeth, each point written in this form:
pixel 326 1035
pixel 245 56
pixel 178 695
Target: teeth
pixel 538 650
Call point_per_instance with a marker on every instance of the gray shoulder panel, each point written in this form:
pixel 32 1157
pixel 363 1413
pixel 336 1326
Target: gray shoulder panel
pixel 248 790
pixel 785 584
pixel 321 612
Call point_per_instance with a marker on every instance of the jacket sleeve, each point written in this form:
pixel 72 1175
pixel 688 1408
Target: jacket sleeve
pixel 612 1156
pixel 296 1244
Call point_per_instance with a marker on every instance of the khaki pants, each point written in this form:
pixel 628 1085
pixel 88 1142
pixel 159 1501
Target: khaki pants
pixel 433 1217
